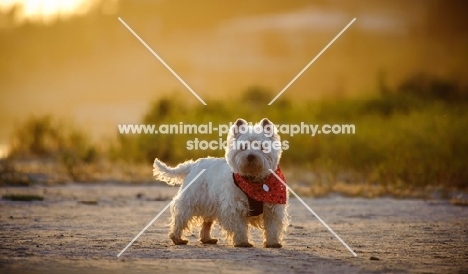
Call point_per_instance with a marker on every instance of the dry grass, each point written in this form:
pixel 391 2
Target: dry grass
pixel 368 191
pixel 459 202
pixel 22 197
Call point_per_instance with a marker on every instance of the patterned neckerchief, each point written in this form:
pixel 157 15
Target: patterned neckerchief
pixel 271 191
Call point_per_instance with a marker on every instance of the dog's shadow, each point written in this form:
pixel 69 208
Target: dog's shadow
pixel 289 257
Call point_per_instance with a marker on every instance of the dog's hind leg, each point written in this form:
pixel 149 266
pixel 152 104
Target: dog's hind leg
pixel 205 233
pixel 180 216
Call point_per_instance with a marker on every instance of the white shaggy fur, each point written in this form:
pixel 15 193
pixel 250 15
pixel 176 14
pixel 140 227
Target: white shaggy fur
pixel 214 197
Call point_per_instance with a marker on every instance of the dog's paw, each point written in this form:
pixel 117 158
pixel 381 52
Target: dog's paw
pixel 178 241
pixel 243 245
pixel 210 241
pixel 272 245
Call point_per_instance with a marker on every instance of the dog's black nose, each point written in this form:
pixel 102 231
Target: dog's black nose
pixel 250 157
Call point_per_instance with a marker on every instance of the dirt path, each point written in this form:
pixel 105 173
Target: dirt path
pixel 63 235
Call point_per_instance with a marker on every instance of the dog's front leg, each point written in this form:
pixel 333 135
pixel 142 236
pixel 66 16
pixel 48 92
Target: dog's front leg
pixel 237 229
pixel 275 221
pixel 241 237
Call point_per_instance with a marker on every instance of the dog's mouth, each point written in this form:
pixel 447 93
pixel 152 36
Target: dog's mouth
pixel 253 179
pixel 251 167
pixel 252 171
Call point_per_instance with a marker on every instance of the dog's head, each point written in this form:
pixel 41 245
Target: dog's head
pixel 252 150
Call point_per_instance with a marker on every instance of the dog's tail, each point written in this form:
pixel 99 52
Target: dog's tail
pixel 171 176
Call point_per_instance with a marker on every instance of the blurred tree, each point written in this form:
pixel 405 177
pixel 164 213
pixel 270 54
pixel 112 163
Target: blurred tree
pixel 447 19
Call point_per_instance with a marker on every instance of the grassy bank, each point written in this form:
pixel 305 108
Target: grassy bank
pixel 411 137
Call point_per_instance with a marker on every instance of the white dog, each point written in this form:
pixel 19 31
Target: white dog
pixel 234 191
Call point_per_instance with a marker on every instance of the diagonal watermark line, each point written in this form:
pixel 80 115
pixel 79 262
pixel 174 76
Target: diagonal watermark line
pixel 311 62
pixel 162 61
pixel 315 214
pixel 160 213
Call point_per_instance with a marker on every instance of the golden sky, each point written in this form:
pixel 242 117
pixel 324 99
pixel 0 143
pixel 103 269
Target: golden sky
pixel 74 59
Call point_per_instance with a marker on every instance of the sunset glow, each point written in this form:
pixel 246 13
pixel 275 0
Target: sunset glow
pixel 47 11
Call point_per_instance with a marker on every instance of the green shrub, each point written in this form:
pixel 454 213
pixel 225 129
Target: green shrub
pixel 411 136
pixel 46 137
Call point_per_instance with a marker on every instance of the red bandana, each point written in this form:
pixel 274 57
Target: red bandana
pixel 271 190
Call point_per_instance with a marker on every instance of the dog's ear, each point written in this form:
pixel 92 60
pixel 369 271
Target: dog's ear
pixel 264 122
pixel 236 128
pixel 240 122
pixel 268 127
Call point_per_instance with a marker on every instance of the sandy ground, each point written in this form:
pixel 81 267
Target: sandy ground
pixel 64 235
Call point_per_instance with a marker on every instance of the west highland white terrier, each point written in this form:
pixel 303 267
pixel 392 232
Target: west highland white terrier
pixel 234 191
